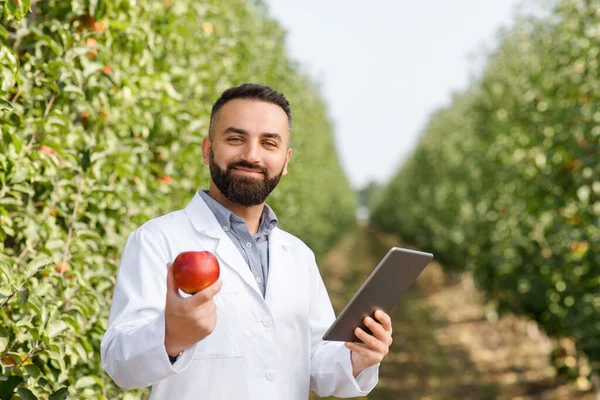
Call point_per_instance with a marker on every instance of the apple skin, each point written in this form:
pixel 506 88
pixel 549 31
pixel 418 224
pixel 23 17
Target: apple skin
pixel 195 270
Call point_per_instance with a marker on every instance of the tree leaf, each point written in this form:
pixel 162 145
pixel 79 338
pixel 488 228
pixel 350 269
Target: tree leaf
pixel 84 382
pixel 6 105
pixel 32 370
pixel 3 343
pixel 60 394
pixel 8 387
pixel 26 394
pixel 56 327
pixel 73 89
pixel 24 295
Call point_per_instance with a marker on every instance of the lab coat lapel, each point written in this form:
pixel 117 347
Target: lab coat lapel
pixel 227 252
pixel 280 264
pixel 205 222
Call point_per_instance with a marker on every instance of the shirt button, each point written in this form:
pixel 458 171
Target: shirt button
pixel 225 229
pixel 258 279
pixel 270 375
pixel 248 245
pixel 267 322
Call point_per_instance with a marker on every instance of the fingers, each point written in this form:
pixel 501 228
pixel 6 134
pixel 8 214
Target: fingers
pixel 378 330
pixel 172 289
pixel 371 341
pixel 385 320
pixel 206 294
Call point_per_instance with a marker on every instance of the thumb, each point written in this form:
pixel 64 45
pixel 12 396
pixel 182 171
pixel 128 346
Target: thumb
pixel 172 289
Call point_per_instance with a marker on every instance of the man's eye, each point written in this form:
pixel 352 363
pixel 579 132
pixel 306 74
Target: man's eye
pixel 271 144
pixel 234 139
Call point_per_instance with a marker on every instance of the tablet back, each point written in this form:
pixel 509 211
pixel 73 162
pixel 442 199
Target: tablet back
pixel 381 291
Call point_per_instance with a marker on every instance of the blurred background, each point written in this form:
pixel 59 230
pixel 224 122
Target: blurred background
pixel 467 129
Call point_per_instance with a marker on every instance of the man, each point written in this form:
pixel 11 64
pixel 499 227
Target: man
pixel 256 332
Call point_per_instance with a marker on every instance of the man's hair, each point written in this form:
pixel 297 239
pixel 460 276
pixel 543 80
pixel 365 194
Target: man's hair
pixel 250 91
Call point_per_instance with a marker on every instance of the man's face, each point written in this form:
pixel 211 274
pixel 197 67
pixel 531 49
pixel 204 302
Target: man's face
pixel 249 152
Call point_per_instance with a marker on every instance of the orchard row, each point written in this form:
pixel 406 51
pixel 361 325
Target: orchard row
pixel 103 107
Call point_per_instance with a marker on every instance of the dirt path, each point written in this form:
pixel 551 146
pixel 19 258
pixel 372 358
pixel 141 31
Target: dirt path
pixel 445 345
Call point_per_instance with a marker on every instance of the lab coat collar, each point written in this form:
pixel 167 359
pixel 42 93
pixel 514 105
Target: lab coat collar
pixel 206 223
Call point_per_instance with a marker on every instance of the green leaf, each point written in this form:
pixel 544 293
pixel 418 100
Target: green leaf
pixel 27 189
pixel 5 273
pixel 32 370
pixel 80 350
pixel 56 327
pixel 84 382
pixel 8 387
pixel 92 69
pixel 33 330
pixel 73 89
pixel 10 201
pixel 6 105
pixel 72 321
pixel 7 82
pixel 6 290
pixel 24 295
pixel 36 265
pixel 85 159
pixel 7 137
pixel 3 344
pixel 26 394
pixel 35 305
pixel 60 394
pixel 59 121
pixel 55 66
pixel 3 32
pixel 42 39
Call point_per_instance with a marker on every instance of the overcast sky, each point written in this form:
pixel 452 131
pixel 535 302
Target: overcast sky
pixel 384 66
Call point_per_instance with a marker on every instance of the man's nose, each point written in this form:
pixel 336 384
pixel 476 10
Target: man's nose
pixel 251 153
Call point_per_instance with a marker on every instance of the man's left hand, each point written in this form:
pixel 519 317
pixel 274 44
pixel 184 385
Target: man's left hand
pixel 373 347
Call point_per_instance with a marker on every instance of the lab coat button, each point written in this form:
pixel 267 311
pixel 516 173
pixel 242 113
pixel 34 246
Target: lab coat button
pixel 267 322
pixel 270 375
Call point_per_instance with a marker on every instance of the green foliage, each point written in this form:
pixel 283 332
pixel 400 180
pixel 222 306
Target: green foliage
pixel 103 106
pixel 506 181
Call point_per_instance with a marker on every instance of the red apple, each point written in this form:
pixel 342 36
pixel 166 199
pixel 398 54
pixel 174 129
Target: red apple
pixel 61 267
pixel 195 270
pixel 47 150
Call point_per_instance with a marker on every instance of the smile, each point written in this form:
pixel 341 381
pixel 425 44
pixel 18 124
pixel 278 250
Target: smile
pixel 243 171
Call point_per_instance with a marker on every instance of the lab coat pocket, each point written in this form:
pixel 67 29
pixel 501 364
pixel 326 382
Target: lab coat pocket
pixel 222 343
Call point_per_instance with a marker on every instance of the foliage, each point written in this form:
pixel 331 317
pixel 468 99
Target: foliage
pixel 103 106
pixel 505 181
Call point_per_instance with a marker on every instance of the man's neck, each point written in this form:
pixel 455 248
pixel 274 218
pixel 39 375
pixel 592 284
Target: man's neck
pixel 251 215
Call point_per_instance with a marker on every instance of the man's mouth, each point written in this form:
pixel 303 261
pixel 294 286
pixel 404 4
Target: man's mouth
pixel 247 171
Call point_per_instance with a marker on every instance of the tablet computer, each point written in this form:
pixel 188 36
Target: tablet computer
pixel 381 291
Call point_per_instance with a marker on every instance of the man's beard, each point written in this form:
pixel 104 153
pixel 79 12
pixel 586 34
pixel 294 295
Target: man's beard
pixel 243 190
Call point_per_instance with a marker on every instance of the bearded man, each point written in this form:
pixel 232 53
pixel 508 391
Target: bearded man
pixel 256 333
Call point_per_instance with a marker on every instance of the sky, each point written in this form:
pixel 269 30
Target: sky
pixel 384 66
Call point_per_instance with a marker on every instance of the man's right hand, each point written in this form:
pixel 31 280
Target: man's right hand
pixel 188 320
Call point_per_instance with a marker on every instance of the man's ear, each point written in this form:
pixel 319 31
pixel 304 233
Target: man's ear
pixel 206 149
pixel 287 161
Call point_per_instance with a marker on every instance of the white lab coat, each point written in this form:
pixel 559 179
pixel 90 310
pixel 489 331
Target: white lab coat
pixel 261 348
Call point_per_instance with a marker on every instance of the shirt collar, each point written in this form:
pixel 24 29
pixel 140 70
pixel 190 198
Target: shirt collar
pixel 268 219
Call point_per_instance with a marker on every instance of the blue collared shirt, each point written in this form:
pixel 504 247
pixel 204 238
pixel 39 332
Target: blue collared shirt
pixel 253 248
